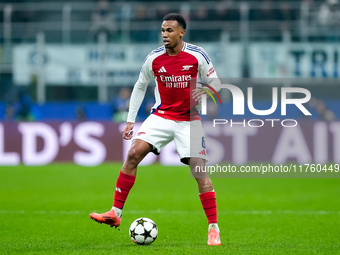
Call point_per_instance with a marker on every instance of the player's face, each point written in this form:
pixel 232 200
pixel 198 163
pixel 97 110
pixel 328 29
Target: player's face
pixel 172 33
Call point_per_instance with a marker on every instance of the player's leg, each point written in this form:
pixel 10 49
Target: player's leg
pixel 202 178
pixel 190 144
pixel 153 135
pixel 125 181
pixel 207 197
pixel 127 176
pixel 139 149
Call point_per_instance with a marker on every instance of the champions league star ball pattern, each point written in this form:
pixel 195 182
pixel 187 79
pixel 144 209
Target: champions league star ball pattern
pixel 143 231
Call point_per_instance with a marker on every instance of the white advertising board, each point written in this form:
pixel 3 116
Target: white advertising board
pixel 84 64
pixel 295 60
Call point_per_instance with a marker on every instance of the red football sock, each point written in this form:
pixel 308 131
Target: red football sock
pixel 123 186
pixel 208 200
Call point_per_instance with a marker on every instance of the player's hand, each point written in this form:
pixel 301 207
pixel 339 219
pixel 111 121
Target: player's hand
pixel 197 94
pixel 127 131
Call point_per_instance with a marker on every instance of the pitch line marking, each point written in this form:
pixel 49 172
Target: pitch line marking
pixel 236 212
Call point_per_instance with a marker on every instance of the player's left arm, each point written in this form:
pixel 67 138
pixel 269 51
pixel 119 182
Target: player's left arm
pixel 209 76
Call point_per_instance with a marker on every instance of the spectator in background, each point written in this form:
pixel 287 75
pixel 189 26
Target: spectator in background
pixel 19 106
pixel 266 19
pixel 221 11
pixel 23 107
pixel 80 113
pixel 286 15
pixel 141 14
pixel 324 114
pixel 329 19
pixel 202 14
pixel 226 11
pixel 264 13
pixel 28 17
pixel 120 105
pixel 9 112
pixel 103 20
pixel 329 13
pixel 162 10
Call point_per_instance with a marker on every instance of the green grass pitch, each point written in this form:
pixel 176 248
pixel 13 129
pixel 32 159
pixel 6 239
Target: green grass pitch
pixel 44 210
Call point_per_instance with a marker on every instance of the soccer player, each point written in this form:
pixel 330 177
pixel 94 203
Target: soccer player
pixel 172 66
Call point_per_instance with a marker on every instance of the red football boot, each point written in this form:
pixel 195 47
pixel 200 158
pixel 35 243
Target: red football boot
pixel 108 218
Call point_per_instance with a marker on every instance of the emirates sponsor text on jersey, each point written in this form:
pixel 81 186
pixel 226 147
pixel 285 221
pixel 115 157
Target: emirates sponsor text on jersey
pixel 176 81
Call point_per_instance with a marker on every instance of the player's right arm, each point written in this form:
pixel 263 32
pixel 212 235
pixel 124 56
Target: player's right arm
pixel 137 96
pixel 127 131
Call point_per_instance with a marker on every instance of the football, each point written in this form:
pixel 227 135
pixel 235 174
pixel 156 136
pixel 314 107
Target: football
pixel 143 231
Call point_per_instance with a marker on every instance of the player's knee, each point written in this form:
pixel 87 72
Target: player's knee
pixel 134 156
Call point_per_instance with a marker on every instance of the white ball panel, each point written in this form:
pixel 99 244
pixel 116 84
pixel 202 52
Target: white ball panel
pixel 133 225
pixel 139 239
pixel 148 226
pixel 149 220
pixel 139 230
pixel 148 240
pixel 154 233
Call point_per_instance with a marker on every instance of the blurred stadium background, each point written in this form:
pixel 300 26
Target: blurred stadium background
pixel 66 73
pixel 74 61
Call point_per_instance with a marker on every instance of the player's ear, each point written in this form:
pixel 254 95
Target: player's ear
pixel 182 33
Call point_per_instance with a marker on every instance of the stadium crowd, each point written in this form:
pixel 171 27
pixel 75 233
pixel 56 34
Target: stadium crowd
pixel 323 17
